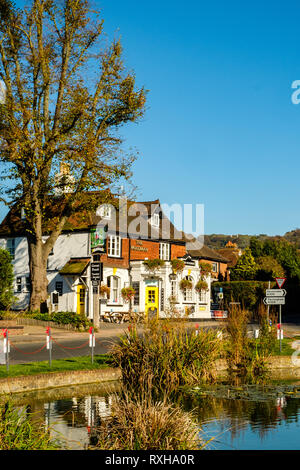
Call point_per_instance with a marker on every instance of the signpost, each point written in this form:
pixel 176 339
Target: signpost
pixel 275 292
pixel 96 278
pixel 274 301
pixel 96 271
pixel 277 297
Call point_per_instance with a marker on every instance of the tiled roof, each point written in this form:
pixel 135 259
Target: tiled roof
pixel 207 253
pixel 231 254
pixel 75 266
pixel 83 220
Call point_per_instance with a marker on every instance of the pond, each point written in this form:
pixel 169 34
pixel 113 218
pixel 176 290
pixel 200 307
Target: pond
pixel 236 418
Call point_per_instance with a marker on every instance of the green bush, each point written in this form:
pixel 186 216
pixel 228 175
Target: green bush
pixel 249 293
pixel 62 318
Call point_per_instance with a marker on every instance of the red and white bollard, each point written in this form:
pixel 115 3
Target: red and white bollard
pixel 49 344
pixel 6 348
pixel 92 341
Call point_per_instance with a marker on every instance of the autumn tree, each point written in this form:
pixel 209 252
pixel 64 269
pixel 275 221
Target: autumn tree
pixel 66 95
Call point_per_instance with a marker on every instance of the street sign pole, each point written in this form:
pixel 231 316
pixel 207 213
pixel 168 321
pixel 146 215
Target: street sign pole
pixel 268 312
pixel 96 277
pixel 280 326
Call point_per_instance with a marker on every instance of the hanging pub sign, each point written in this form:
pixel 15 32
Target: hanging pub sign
pixel 98 239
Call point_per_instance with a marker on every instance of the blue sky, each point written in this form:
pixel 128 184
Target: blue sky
pixel 220 128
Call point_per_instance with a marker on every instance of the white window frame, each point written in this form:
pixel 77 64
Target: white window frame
pixel 155 220
pixel 164 251
pixel 174 288
pixel 19 284
pixel 215 267
pixel 115 288
pixel 105 211
pixel 203 297
pixel 114 246
pixel 188 294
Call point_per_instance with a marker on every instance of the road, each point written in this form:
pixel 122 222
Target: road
pixel 72 347
pixel 32 349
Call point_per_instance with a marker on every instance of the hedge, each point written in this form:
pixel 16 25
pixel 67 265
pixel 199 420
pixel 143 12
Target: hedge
pixel 249 293
pixel 62 318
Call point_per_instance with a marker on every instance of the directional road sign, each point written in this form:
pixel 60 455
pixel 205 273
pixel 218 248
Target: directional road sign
pixel 275 292
pixel 274 301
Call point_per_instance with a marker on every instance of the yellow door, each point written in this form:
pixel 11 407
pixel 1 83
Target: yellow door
pixel 151 302
pixel 80 299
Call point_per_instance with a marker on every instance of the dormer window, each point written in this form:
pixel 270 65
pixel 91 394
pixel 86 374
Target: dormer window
pixel 155 220
pixel 105 211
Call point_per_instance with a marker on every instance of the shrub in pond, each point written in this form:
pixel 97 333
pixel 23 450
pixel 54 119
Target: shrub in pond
pixel 166 355
pixel 147 425
pixel 19 431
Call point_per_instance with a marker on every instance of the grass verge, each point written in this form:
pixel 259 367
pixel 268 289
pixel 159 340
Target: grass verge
pixel 101 361
pixel 286 349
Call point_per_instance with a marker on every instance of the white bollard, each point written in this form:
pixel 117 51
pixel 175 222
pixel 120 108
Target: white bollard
pixel 279 334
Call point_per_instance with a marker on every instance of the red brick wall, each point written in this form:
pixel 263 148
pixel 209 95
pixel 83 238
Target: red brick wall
pixel 122 262
pixel 141 249
pixel 222 267
pixel 177 251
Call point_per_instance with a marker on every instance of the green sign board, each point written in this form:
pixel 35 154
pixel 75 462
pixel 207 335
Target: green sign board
pixel 98 238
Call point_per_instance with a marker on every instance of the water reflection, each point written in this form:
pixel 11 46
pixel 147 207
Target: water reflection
pixel 264 422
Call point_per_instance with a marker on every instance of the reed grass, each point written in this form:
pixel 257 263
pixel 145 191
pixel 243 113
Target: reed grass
pixel 146 424
pixel 166 355
pixel 18 431
pixel 247 355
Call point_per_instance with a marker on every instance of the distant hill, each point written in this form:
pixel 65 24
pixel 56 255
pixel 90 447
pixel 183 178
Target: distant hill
pixel 218 241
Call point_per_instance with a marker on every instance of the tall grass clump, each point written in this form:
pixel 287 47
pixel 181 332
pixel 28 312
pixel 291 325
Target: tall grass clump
pixel 247 355
pixel 147 425
pixel 166 355
pixel 19 432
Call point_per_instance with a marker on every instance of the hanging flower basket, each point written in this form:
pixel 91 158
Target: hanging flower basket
pixel 205 268
pixel 153 264
pixel 127 293
pixel 201 285
pixel 177 265
pixel 104 290
pixel 185 284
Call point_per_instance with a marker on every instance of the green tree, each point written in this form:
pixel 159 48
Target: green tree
pixel 66 96
pixel 6 280
pixel 245 268
pixel 268 269
pixel 256 247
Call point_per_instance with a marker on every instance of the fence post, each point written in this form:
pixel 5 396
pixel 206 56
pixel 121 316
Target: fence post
pixel 92 342
pixel 49 344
